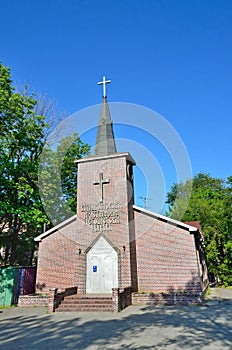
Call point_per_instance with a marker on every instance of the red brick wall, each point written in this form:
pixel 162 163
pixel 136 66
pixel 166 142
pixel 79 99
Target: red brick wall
pixel 154 256
pixel 57 262
pixel 62 254
pixel 170 299
pixel 166 257
pixel 116 191
pixel 30 300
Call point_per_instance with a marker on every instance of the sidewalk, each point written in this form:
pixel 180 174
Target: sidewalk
pixel 220 294
pixel 207 327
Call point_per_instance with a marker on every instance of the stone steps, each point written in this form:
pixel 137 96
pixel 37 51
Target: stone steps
pixel 84 302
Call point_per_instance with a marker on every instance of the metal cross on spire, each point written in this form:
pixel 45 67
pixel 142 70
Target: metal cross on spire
pixel 104 82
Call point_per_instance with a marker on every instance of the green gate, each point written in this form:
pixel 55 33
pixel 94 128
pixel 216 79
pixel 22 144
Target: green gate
pixel 9 285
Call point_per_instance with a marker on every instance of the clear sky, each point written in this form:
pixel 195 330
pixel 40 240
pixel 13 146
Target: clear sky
pixel 171 56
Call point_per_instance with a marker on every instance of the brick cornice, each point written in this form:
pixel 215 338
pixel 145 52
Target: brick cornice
pixel 111 156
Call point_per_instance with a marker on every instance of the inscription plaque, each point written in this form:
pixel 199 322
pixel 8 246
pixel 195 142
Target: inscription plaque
pixel 100 216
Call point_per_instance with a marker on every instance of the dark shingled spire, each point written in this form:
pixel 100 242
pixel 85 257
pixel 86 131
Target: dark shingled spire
pixel 105 143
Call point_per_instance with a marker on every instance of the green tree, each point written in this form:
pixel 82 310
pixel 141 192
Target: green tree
pixel 210 203
pixel 22 139
pixel 58 177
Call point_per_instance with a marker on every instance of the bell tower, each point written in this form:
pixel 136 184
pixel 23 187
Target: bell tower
pixel 105 208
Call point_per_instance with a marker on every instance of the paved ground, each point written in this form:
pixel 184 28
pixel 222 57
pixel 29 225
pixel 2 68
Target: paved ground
pixel 207 327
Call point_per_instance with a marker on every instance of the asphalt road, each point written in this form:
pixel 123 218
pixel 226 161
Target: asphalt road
pixel 138 328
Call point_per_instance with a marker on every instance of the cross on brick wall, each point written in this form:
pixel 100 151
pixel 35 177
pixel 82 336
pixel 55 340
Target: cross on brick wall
pixel 101 182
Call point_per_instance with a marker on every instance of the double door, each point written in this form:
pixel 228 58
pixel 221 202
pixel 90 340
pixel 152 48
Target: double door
pixel 102 268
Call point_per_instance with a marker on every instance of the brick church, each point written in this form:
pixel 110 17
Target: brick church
pixel 113 247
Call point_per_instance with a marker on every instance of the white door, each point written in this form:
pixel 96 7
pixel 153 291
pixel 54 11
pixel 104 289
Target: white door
pixel 102 268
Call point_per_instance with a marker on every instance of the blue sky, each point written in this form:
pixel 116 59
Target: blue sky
pixel 173 57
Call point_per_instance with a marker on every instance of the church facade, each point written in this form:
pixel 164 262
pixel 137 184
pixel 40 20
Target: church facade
pixel 112 244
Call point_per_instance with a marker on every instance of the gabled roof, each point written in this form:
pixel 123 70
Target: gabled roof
pixel 189 226
pixel 55 228
pixel 163 218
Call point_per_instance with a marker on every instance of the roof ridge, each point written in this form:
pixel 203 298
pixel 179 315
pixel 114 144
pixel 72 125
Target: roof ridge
pixel 166 218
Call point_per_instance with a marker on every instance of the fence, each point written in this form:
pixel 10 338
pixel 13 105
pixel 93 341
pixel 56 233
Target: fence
pixel 16 281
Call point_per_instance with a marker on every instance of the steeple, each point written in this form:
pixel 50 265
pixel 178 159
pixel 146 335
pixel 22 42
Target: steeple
pixel 105 142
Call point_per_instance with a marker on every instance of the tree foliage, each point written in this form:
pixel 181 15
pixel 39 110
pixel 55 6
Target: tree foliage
pixel 211 204
pixel 22 139
pixel 58 177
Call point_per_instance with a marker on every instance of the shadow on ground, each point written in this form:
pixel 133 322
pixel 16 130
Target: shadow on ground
pixel 139 328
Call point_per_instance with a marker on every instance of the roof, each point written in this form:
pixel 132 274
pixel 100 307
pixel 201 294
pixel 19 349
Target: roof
pixel 55 228
pixel 163 218
pixel 195 224
pixel 190 226
pixel 105 142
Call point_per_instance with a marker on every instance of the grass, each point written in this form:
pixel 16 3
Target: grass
pixel 8 306
pixel 208 292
